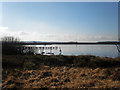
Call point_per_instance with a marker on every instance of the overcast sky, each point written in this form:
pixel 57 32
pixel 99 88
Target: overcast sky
pixel 60 21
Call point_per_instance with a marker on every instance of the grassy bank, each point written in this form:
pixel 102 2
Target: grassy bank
pixel 56 71
pixel 35 61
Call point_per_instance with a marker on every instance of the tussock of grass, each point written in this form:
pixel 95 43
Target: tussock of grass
pixel 84 71
pixel 62 77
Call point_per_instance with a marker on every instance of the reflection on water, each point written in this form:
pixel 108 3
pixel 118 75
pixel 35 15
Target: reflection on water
pixel 97 50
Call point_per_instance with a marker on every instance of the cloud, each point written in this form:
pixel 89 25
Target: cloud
pixel 38 36
pixel 4 31
pixel 41 27
pixel 23 33
pixel 3 28
pixel 47 32
pixel 68 37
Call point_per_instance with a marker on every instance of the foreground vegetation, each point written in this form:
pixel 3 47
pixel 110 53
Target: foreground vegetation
pixel 35 61
pixel 57 71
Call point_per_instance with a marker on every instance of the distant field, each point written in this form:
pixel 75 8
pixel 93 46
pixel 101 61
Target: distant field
pixel 57 71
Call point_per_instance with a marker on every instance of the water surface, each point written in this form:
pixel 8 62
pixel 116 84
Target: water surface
pixel 97 50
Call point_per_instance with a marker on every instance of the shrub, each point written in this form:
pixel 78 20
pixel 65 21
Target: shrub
pixel 10 46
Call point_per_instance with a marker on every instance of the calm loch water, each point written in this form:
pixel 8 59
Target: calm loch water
pixel 97 50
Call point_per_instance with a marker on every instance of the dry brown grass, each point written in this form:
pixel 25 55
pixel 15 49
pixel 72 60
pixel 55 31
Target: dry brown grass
pixel 64 77
pixel 60 72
